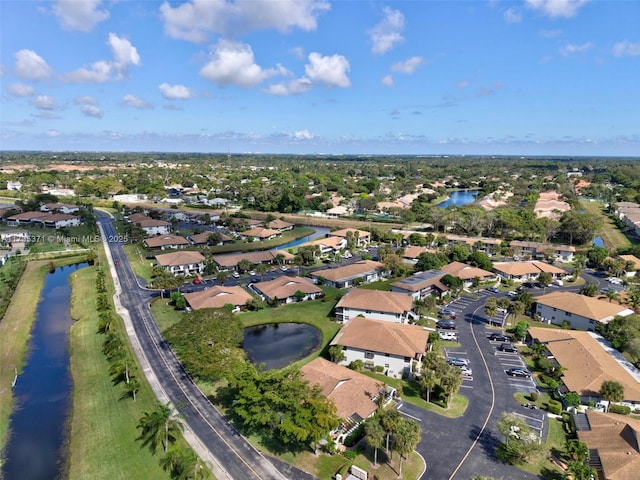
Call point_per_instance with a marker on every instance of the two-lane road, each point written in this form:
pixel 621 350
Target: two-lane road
pixel 234 457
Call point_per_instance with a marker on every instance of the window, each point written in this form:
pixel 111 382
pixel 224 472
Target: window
pixel 407 359
pixel 568 314
pixel 369 355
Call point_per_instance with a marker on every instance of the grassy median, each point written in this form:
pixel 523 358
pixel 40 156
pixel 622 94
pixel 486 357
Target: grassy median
pixel 102 443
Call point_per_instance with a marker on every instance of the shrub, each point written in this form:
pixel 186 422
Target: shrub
pixel 350 454
pixel 379 368
pixel 354 437
pixel 533 396
pixel 621 409
pixel 554 407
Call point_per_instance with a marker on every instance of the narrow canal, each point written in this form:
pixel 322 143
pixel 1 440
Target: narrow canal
pixel 43 390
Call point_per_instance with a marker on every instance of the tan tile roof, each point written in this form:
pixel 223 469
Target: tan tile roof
pixel 474 240
pixel 29 215
pixel 203 237
pixel 343 233
pixel 631 258
pixel 414 251
pixel 179 258
pixel 285 287
pixel 616 439
pixel 336 243
pixel 587 363
pixel 137 217
pixel 588 307
pixel 263 256
pixel 55 217
pixel 279 224
pixel 150 222
pixel 542 246
pixel 217 297
pixel 420 280
pixel 525 268
pixel 163 240
pixel 378 300
pixel 352 270
pixel 386 337
pixel 260 232
pixel 351 392
pixel 464 271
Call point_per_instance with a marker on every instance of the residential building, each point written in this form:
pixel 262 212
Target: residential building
pixel 182 262
pixel 287 289
pixel 397 348
pixel 59 207
pixel 633 260
pixel 562 253
pixel 523 271
pixel 230 261
pixel 24 218
pixel 412 252
pixel 203 238
pixel 613 443
pixel 360 237
pixel 363 271
pixel 154 227
pixel 328 245
pixel 490 246
pixel 15 186
pixel 162 242
pixel 421 284
pixel 550 205
pixel 588 360
pixel 468 273
pixel 280 225
pixel 219 297
pixel 375 304
pixel 355 395
pixel 579 311
pixel 260 233
pixel 56 220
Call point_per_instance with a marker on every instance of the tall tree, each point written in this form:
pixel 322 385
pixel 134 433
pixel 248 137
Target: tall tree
pixel 390 419
pixel 427 381
pixel 374 435
pixel 612 391
pixel 159 427
pixel 405 439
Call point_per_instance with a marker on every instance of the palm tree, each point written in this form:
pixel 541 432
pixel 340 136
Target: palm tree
pixel 405 439
pixel 160 426
pixel 390 420
pixel 374 434
pixel 450 382
pixel 427 381
pixel 613 295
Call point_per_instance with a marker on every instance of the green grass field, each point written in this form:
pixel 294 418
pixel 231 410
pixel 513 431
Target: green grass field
pixel 102 441
pixel 611 235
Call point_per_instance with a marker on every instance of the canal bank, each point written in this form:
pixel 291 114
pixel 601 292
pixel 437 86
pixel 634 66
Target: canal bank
pixel 15 329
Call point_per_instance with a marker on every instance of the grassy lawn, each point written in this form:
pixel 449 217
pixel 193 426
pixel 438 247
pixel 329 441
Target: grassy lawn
pixel 15 330
pixel 285 237
pixel 611 235
pixel 103 430
pixel 326 466
pixel 141 266
pixel 384 285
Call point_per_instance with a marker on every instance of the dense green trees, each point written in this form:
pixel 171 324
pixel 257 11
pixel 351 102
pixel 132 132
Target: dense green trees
pixel 612 391
pixel 160 426
pixel 281 407
pixel 207 342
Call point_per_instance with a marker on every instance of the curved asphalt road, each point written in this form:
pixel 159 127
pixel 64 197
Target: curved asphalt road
pixel 229 454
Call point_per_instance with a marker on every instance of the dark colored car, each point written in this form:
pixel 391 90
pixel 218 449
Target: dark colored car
pixel 499 337
pixel 518 372
pixel 447 313
pixel 446 325
pixel 507 347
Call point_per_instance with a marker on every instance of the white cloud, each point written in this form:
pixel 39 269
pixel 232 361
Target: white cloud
pixel 31 66
pixel 303 135
pixel 462 84
pixel 408 66
pixel 571 49
pixel 550 33
pixel 386 34
pixel 20 90
pixel 85 101
pixel 233 63
pixel 330 70
pixel 91 111
pixel 53 133
pixel 80 15
pixel 175 92
pixel 298 52
pixel 124 55
pixel 297 86
pixel 45 102
pixel 196 20
pixel 626 49
pixel 135 102
pixel 387 80
pixel 557 8
pixel 512 15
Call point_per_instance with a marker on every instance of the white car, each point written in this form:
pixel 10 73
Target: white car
pixel 466 371
pixel 614 280
pixel 450 336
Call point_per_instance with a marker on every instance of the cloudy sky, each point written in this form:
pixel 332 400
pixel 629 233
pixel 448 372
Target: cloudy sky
pixel 532 77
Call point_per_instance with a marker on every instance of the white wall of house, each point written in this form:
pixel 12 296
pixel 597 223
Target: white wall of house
pixel 156 230
pixel 557 316
pixel 186 269
pixel 394 365
pixel 71 222
pixel 346 314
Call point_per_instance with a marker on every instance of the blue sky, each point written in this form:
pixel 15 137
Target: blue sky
pixel 533 77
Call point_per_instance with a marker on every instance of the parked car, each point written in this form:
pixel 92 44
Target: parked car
pixel 493 289
pixel 252 273
pixel 235 275
pixel 512 294
pixel 450 336
pixel 466 371
pixel 518 372
pixel 457 361
pixel 447 313
pixel 508 347
pixel 499 337
pixel 446 324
